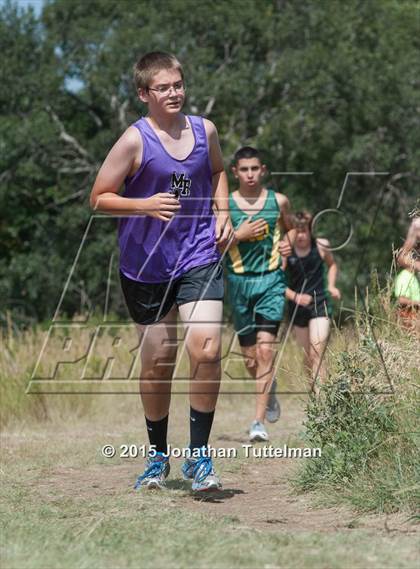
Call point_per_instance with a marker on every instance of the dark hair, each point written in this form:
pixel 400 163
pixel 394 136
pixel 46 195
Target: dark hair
pixel 302 219
pixel 246 152
pixel 150 64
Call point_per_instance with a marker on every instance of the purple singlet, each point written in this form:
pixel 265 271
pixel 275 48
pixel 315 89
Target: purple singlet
pixel 155 251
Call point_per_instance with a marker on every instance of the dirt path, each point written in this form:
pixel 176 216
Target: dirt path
pixel 257 493
pixel 262 498
pixel 258 497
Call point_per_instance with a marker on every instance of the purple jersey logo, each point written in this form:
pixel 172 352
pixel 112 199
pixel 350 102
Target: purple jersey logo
pixel 180 184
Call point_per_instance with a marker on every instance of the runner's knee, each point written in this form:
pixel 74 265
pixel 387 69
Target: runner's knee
pixel 160 363
pixel 251 365
pixel 206 355
pixel 204 348
pixel 265 353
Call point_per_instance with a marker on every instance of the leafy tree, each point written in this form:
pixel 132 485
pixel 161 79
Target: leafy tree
pixel 323 87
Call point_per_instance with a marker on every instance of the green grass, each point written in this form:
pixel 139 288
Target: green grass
pixel 65 506
pixel 144 538
pixel 70 527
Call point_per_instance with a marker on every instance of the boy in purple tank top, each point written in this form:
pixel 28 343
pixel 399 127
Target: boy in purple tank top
pixel 169 237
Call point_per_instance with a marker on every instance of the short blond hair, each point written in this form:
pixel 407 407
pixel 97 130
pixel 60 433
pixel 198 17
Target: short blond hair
pixel 150 64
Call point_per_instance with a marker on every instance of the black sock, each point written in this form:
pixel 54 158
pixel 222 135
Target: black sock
pixel 157 431
pixel 200 427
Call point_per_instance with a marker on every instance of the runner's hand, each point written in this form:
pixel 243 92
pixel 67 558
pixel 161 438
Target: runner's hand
pixel 224 231
pixel 285 248
pixel 303 299
pixel 334 292
pixel 161 206
pixel 250 229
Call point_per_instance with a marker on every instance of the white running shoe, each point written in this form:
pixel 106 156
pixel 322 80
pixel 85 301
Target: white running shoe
pixel 153 477
pixel 201 472
pixel 257 432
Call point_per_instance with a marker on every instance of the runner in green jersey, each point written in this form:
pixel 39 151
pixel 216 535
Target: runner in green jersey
pixel 407 283
pixel 256 283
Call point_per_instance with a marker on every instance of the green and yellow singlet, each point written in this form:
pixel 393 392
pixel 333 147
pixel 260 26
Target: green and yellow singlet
pixel 258 255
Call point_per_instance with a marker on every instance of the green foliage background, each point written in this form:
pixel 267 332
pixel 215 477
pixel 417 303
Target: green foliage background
pixel 329 87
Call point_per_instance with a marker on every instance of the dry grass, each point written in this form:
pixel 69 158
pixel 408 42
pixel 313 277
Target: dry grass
pixel 366 418
pixel 76 370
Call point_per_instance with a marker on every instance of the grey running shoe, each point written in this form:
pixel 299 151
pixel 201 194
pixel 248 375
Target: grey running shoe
pixel 272 413
pixel 201 472
pixel 257 432
pixel 153 477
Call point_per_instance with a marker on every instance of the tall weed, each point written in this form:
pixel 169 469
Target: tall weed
pixel 365 416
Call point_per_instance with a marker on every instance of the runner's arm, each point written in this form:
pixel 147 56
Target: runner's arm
pixel 123 160
pixel 406 261
pixel 284 206
pixel 406 257
pixel 224 229
pixel 116 167
pixel 300 298
pixel 286 245
pixel 290 294
pixel 327 256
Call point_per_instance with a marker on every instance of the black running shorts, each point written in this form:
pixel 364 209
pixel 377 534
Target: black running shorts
pixel 148 303
pixel 303 314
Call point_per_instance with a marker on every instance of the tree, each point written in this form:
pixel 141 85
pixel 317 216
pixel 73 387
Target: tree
pixel 323 87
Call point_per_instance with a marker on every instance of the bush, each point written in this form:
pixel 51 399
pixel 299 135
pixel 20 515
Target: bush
pixel 364 420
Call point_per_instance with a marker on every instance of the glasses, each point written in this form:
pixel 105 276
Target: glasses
pixel 165 89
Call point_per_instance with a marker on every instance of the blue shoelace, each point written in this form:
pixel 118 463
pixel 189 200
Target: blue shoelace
pixel 207 465
pixel 154 469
